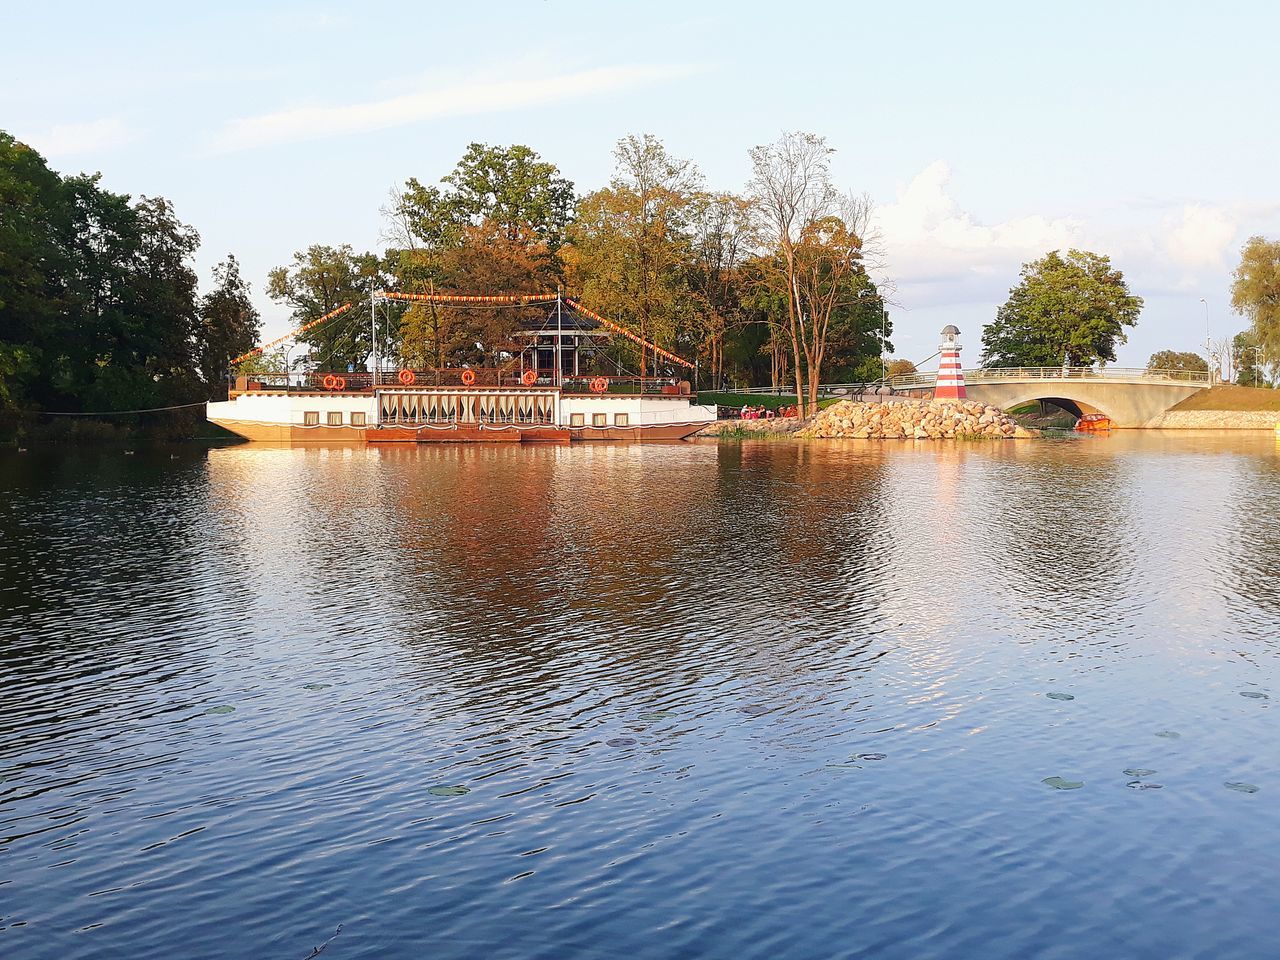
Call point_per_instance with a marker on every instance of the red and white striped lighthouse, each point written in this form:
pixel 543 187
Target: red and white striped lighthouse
pixel 950 383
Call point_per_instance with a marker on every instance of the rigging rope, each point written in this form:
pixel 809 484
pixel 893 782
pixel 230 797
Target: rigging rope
pixel 109 413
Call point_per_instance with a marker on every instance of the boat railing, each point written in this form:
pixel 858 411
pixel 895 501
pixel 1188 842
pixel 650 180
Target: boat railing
pixel 630 386
pixel 361 381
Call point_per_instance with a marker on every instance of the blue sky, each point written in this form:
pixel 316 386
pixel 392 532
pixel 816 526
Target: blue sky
pixel 986 133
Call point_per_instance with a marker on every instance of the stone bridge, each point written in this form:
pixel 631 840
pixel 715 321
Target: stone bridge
pixel 1131 398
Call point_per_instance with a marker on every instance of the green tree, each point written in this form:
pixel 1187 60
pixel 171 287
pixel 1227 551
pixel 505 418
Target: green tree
pixel 1178 360
pixel 1249 358
pixel 509 190
pixel 320 280
pixel 1255 291
pixel 633 245
pixel 721 242
pixel 1069 310
pixel 229 323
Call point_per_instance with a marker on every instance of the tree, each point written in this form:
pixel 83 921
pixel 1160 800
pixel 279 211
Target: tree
pixel 320 280
pixel 1248 358
pixel 511 191
pixel 818 240
pixel 721 237
pixel 1178 360
pixel 1068 310
pixel 632 243
pixel 229 323
pixel 901 368
pixel 1255 292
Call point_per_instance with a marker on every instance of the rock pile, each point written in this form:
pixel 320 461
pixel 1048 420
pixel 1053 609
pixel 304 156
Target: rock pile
pixel 914 420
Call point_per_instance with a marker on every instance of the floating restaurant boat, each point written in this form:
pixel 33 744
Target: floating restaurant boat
pixel 547 392
pixel 1093 423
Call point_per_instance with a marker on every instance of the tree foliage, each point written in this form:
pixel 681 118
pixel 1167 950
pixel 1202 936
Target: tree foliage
pixel 510 192
pixel 1178 360
pixel 98 298
pixel 1255 291
pixel 320 280
pixel 229 322
pixel 1067 310
pixel 816 240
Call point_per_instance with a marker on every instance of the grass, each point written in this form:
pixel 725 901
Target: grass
pixel 1231 397
pixel 755 400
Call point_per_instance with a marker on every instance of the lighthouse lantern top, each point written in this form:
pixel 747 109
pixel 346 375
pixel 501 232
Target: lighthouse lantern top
pixel 949 334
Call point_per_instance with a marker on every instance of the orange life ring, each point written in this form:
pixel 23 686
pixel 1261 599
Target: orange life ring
pixel 330 382
pixel 407 377
pixel 468 377
pixel 529 378
pixel 339 383
pixel 599 385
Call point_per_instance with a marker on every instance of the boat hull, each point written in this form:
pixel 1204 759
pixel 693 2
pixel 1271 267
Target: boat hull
pixel 319 435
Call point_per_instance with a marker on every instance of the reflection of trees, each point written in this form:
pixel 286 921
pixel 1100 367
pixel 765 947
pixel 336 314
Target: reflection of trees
pixel 99 571
pixel 639 567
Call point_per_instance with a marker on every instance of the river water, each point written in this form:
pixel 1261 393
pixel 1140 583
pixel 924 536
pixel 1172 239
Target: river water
pixel 716 700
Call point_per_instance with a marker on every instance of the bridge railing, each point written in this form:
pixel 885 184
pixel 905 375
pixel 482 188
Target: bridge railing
pixel 926 381
pixel 1085 373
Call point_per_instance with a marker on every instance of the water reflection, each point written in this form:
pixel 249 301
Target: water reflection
pixel 663 700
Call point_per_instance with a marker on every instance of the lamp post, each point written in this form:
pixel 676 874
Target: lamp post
pixel 1208 339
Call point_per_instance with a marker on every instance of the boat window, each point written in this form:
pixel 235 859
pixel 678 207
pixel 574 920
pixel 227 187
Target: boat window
pixel 311 418
pixel 622 420
pixel 599 419
pixel 335 418
pixel 576 419
pixel 357 419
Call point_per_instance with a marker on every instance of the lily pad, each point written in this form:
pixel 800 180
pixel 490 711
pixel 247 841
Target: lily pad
pixel 1144 785
pixel 1058 783
pixel 1240 787
pixel 871 756
pixel 453 791
pixel 621 741
pixel 219 711
pixel 754 709
pixel 1138 772
pixel 316 686
pixel 1168 734
pixel 1254 695
pixel 1060 696
pixel 657 715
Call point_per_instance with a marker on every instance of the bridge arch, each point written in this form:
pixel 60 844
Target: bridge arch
pixel 1073 405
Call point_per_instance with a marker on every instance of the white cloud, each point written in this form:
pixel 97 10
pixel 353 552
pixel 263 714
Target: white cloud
pixel 80 138
pixel 931 241
pixel 312 123
pixel 1202 236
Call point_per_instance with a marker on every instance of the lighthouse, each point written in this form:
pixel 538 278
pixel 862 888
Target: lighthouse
pixel 950 383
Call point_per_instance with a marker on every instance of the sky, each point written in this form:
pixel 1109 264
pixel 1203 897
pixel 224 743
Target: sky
pixel 985 133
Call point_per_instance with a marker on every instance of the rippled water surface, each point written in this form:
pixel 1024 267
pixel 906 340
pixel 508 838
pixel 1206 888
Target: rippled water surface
pixel 737 700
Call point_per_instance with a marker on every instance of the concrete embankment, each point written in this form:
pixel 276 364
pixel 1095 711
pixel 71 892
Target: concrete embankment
pixel 895 420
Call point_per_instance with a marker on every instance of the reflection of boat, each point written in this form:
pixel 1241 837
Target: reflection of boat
pixel 1094 423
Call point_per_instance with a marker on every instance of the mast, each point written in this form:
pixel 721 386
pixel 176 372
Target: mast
pixel 559 332
pixel 373 330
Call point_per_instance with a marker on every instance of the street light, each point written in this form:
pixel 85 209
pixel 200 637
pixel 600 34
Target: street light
pixel 1208 339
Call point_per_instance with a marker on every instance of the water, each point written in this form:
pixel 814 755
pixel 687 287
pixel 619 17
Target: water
pixel 739 700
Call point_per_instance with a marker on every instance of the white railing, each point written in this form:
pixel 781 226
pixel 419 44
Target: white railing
pixel 925 381
pixel 1131 374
